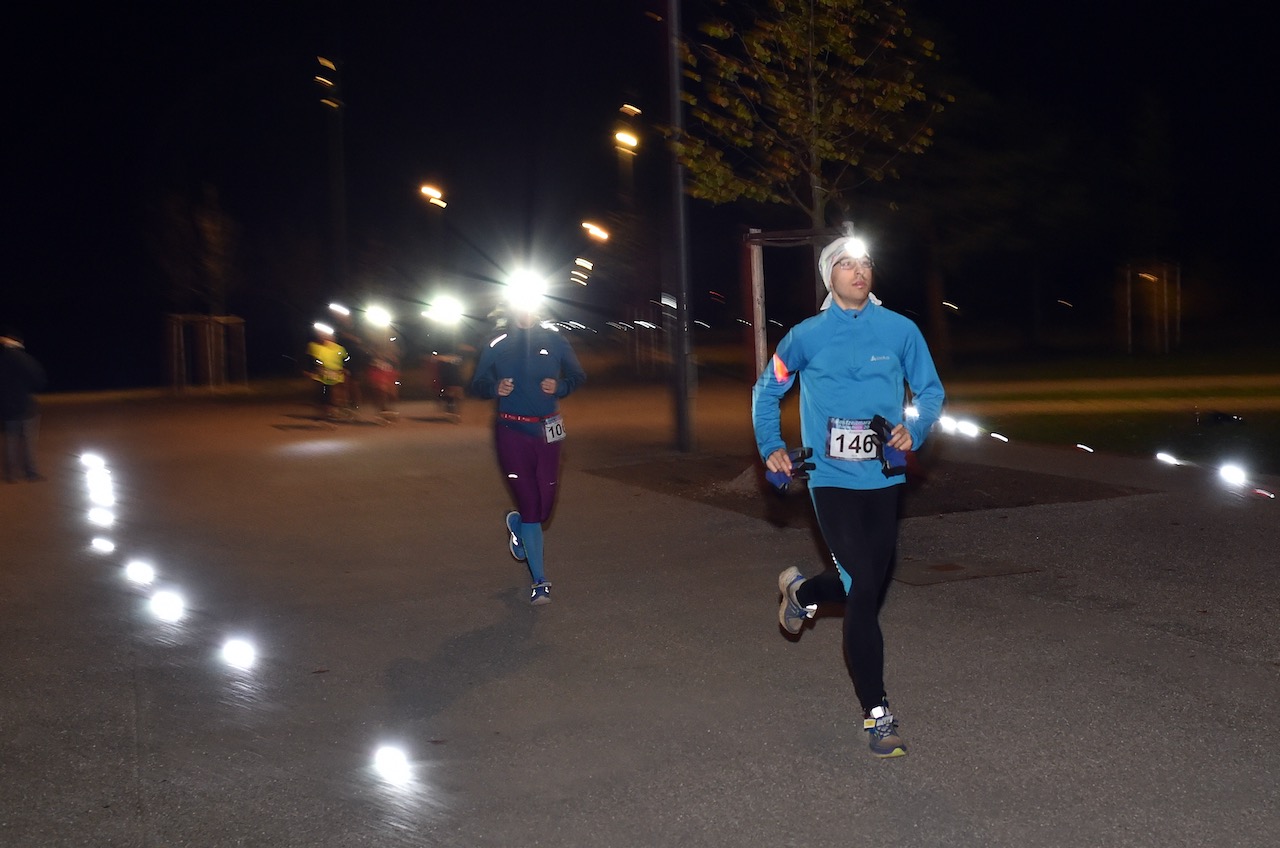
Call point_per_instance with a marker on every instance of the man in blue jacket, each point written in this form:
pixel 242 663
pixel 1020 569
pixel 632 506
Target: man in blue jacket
pixel 854 359
pixel 528 368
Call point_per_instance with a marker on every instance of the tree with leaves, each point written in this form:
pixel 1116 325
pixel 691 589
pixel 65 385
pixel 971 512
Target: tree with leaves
pixel 800 102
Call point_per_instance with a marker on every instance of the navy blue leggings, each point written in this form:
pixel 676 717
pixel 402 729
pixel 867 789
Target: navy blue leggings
pixel 860 527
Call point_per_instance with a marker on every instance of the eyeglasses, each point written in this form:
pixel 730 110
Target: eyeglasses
pixel 847 264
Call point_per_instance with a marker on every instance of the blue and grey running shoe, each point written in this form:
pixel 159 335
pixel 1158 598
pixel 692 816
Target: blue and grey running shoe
pixel 791 614
pixel 540 594
pixel 513 529
pixel 882 727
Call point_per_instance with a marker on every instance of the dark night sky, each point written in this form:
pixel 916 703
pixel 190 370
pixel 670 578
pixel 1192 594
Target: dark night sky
pixel 509 106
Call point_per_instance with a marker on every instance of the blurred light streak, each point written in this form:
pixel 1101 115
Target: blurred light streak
pixel 102 546
pixel 1084 448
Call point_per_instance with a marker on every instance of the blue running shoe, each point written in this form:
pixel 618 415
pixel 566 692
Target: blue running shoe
pixel 791 613
pixel 882 727
pixel 513 528
pixel 540 594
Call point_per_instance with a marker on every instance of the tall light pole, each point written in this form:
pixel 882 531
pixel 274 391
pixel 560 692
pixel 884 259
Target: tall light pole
pixel 683 358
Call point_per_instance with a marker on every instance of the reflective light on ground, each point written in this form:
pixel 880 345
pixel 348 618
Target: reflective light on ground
pixel 1084 448
pixel 1264 493
pixel 168 606
pixel 1233 474
pixel 239 653
pixel 102 516
pixel 102 546
pixel 319 447
pixel 140 572
pixel 101 492
pixel 392 765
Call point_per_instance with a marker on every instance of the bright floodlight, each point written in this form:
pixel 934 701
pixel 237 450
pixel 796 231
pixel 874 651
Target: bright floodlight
pixel 525 290
pixel 92 460
pixel 377 316
pixel 626 139
pixel 1233 474
pixel 967 428
pixel 392 765
pixel 103 546
pixel 595 231
pixel 320 327
pixel 238 653
pixel 947 423
pixel 1168 458
pixel 140 572
pixel 339 309
pixel 101 516
pixel 167 605
pixel 446 309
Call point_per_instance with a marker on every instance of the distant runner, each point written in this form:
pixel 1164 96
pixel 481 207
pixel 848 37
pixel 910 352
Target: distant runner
pixel 527 368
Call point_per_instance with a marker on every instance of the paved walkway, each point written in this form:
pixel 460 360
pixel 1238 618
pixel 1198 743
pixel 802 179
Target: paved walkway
pixel 1123 689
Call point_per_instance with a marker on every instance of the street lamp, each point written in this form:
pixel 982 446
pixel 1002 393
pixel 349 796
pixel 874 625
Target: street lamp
pixel 626 142
pixel 433 195
pixel 445 309
pixel 595 231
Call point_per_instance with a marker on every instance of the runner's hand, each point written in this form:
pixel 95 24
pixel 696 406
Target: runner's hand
pixel 900 438
pixel 549 386
pixel 779 460
pixel 506 386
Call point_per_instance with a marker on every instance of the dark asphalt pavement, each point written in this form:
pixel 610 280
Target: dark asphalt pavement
pixel 1099 670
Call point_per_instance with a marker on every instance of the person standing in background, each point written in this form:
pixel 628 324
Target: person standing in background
pixel 21 376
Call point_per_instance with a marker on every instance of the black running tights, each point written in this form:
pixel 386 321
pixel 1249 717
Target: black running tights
pixel 860 526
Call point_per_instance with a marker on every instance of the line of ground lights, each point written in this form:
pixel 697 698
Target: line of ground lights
pixel 168 606
pixel 1231 474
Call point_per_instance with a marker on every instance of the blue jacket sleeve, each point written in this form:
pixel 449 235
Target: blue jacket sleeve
pixel 775 381
pixel 484 383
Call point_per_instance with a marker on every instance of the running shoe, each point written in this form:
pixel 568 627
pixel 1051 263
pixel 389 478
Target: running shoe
pixel 882 727
pixel 791 613
pixel 540 594
pixel 513 529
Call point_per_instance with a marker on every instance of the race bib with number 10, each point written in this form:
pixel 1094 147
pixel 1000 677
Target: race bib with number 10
pixel 553 428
